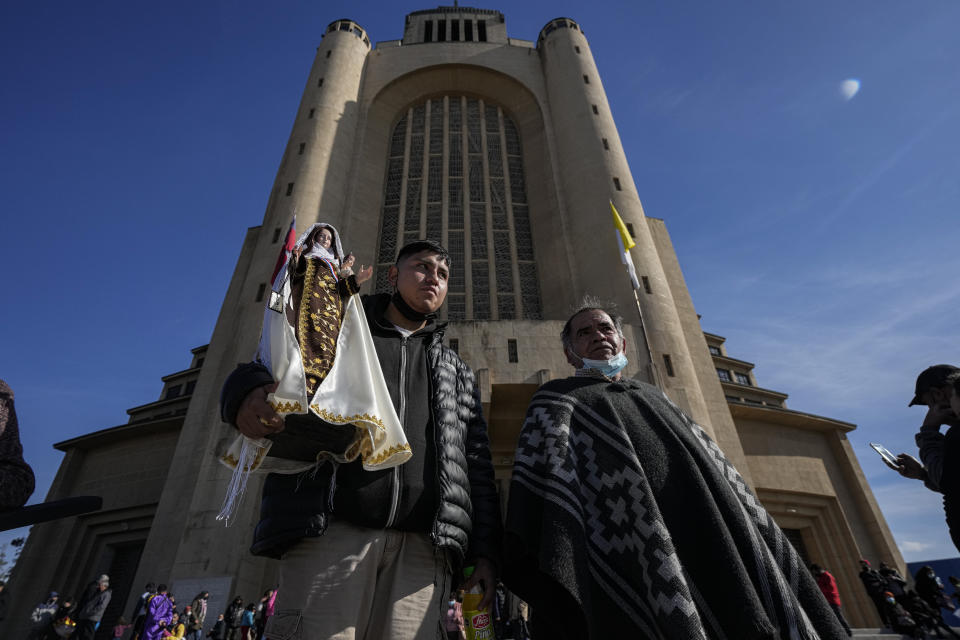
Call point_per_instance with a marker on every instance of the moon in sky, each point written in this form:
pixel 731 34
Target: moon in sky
pixel 849 88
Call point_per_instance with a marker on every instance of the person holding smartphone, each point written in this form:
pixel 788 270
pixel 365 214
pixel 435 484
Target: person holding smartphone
pixel 939 465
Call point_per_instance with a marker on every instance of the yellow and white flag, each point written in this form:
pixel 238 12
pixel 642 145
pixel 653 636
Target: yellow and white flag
pixel 626 243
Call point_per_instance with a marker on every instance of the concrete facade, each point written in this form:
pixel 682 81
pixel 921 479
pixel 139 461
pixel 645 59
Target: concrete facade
pixel 506 151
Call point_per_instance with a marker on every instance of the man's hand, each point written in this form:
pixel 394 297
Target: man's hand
pixel 938 415
pixel 485 576
pixel 256 418
pixel 909 467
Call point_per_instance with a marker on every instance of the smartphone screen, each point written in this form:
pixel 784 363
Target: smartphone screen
pixel 885 453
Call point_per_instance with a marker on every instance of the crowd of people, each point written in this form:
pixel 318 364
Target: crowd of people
pixel 156 616
pixel 912 612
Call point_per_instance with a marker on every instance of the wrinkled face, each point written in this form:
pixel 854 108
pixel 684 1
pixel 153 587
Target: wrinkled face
pixel 594 336
pixel 421 279
pixel 323 237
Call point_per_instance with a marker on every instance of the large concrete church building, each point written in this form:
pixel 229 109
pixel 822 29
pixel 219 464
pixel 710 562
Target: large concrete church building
pixel 506 152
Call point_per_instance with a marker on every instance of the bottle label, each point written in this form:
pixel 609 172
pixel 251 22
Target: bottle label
pixel 478 625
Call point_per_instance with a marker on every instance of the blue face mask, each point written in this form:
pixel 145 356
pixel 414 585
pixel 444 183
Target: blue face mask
pixel 609 367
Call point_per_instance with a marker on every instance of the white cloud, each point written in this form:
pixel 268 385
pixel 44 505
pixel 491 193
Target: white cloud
pixel 911 546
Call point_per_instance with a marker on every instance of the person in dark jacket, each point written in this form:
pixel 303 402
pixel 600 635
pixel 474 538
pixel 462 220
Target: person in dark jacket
pixel 219 630
pixel 16 476
pixel 896 583
pixel 901 621
pixel 876 586
pixel 927 617
pixel 939 452
pixel 232 617
pixel 90 608
pixel 404 528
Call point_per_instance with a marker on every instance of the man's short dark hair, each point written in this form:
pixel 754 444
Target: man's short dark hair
pixel 151 587
pixel 589 303
pixel 417 246
pixel 161 588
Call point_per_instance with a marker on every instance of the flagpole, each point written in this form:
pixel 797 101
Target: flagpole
pixel 626 243
pixel 654 373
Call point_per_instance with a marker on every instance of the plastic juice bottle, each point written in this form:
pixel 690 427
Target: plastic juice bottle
pixel 478 622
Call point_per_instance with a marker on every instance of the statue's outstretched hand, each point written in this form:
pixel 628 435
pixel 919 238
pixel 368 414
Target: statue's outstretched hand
pixel 364 274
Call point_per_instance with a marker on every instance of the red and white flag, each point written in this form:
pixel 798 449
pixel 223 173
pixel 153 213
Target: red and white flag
pixel 287 249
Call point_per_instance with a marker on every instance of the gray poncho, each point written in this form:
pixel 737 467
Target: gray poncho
pixel 626 521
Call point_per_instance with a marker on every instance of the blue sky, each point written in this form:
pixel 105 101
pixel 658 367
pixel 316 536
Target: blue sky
pixel 817 233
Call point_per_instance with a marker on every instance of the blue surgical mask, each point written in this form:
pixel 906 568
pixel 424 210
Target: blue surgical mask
pixel 610 367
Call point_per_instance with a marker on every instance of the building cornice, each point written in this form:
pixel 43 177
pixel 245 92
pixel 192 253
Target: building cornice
pixel 787 417
pixel 727 360
pixel 760 391
pixel 185 399
pixel 180 374
pixel 121 432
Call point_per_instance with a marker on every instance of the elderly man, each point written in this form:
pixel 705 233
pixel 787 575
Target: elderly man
pixel 90 609
pixel 389 537
pixel 626 521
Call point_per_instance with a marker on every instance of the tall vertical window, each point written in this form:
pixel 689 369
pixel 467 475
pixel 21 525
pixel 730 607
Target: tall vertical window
pixel 455 30
pixel 512 354
pixel 441 31
pixel 455 174
pixel 468 30
pixel 482 30
pixel 668 365
pixel 428 31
